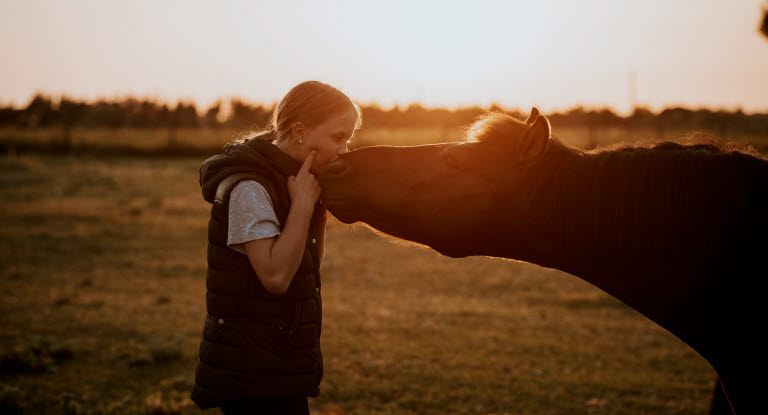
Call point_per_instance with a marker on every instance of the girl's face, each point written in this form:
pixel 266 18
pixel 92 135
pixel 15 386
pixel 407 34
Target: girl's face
pixel 329 139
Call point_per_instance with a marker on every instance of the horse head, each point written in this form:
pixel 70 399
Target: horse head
pixel 453 197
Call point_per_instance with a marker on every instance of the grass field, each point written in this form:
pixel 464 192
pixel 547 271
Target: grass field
pixel 102 267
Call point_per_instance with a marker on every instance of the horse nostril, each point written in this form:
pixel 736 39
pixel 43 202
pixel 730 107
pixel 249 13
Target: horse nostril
pixel 337 167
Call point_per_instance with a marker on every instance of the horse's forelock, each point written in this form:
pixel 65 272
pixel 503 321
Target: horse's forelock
pixel 495 126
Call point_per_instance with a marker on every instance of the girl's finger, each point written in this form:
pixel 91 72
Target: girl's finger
pixel 308 162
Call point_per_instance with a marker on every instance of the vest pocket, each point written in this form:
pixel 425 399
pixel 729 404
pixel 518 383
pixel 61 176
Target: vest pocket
pixel 301 335
pixel 244 334
pixel 293 333
pixel 304 337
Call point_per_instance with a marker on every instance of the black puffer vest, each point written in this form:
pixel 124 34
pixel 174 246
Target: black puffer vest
pixel 255 344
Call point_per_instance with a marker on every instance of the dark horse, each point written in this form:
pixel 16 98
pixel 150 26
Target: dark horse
pixel 677 232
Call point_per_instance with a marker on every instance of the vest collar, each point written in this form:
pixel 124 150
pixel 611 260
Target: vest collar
pixel 252 156
pixel 283 162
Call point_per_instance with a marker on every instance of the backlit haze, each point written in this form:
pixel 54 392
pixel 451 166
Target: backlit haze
pixel 554 54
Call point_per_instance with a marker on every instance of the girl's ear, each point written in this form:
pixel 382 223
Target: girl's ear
pixel 298 131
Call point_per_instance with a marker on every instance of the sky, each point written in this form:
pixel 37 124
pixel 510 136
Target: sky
pixel 552 54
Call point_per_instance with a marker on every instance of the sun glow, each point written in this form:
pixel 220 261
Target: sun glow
pixel 514 53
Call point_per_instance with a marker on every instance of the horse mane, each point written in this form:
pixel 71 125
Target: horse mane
pixel 494 126
pixel 696 142
pixel 696 187
pixel 685 177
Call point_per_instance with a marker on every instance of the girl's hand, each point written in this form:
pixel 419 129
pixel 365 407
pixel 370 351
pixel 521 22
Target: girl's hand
pixel 304 188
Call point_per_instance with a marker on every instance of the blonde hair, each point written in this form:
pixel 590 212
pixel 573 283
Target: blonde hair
pixel 310 103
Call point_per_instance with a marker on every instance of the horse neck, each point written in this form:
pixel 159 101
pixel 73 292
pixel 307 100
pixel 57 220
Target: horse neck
pixel 595 213
pixel 676 236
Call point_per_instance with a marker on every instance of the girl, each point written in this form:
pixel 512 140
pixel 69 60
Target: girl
pixel 260 351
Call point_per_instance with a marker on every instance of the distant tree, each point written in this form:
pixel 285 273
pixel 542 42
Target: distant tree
pixel 374 116
pixel 604 117
pixel 10 116
pixel 105 113
pixel 442 117
pixel 39 112
pixel 642 113
pixel 70 112
pixel 416 114
pixel 145 114
pixel 42 112
pixel 186 115
pixel 465 116
pixel 211 117
pixel 140 113
pixel 576 116
pixel 248 115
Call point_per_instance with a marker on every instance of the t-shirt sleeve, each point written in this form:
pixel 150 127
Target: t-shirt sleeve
pixel 251 215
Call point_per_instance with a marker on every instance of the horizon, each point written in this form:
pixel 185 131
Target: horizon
pixel 600 54
pixel 224 102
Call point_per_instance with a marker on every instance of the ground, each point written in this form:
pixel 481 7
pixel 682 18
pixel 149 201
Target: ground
pixel 102 267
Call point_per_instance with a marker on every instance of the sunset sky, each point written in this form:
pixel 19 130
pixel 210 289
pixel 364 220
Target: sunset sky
pixel 553 54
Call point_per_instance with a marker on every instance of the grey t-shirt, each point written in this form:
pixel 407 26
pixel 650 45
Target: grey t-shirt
pixel 251 215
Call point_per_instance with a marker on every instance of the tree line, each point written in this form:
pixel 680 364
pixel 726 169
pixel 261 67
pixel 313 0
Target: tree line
pixel 67 113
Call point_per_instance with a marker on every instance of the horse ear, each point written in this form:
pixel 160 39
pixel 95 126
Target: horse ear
pixel 532 117
pixel 535 139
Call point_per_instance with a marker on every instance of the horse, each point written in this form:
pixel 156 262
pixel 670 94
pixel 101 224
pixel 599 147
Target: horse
pixel 674 230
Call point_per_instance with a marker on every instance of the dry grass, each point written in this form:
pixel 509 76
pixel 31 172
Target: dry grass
pixel 102 265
